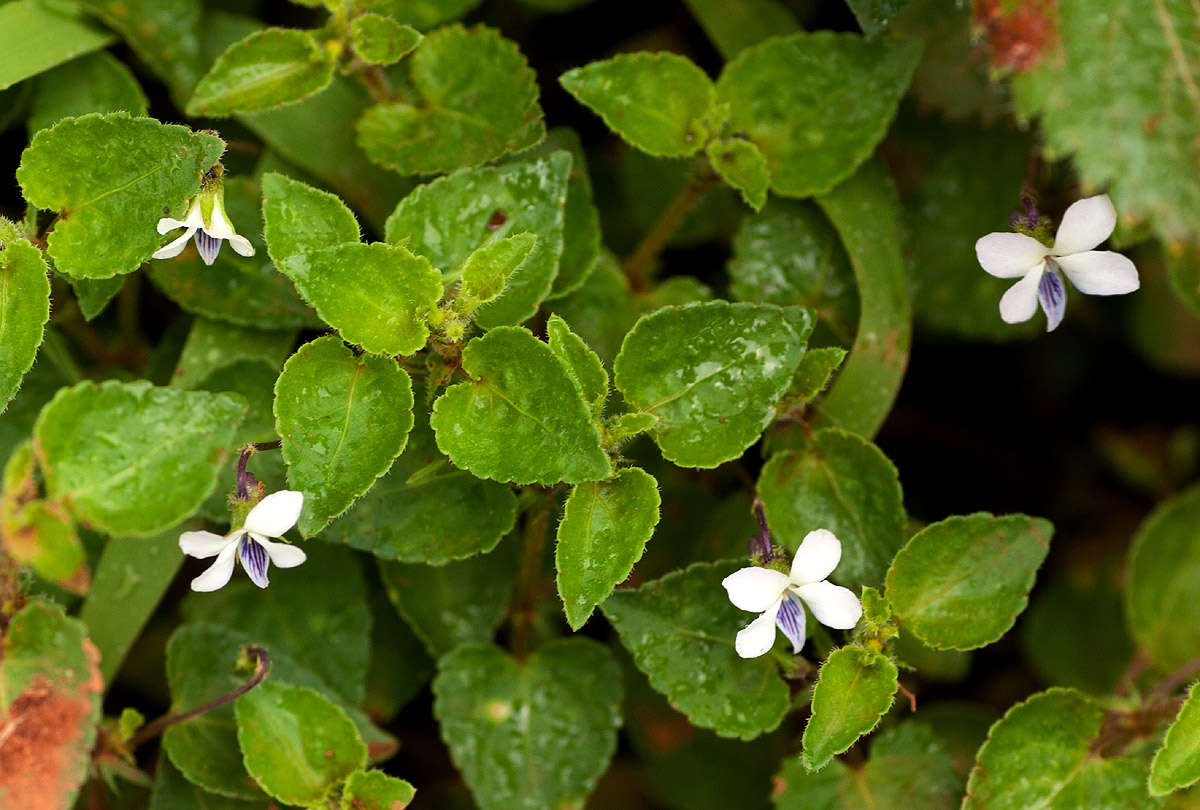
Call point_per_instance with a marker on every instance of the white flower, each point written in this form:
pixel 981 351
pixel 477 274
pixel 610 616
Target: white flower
pixel 1085 225
pixel 777 596
pixel 206 219
pixel 270 517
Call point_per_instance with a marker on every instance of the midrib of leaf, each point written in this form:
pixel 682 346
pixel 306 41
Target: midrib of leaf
pixel 358 370
pixel 1177 55
pixel 286 71
pixel 69 210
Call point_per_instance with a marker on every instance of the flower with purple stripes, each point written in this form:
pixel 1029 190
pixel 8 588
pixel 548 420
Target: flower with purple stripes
pixel 780 598
pixel 273 516
pixel 207 221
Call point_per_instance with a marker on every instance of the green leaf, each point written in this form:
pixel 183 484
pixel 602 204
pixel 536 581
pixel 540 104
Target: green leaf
pixel 865 213
pixel 267 69
pixel 743 166
pixel 487 270
pixel 1122 131
pixel 49 684
pixel 521 417
pixel 447 220
pixel 295 742
pixel 961 583
pixel 582 363
pixel 815 371
pixel 1183 270
pixel 909 767
pixel 874 15
pixel 163 33
pixel 375 790
pixel 109 208
pixel 604 530
pixel 448 515
pixel 24 311
pixel 1163 573
pixel 854 690
pixel 173 792
pixel 476 98
pixel 658 102
pixel 581 220
pixel 459 603
pixel 43 536
pixel 378 296
pixel 682 625
pixel 343 420
pixel 130 458
pixel 213 345
pixel 1177 764
pixel 95 83
pixel 39 386
pixel 298 218
pixel 511 724
pixel 711 373
pixel 35 38
pixel 842 483
pixel 734 25
pixel 601 309
pixel 93 294
pixel 816 104
pixel 420 13
pixel 381 40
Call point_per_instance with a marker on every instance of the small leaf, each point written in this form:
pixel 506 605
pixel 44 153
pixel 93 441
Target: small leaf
pixel 267 69
pixel 298 218
pixel 296 743
pixel 42 536
pixel 815 371
pixel 98 83
pixel 604 530
pixel 420 13
pixel 375 790
pixel 658 102
pixel 343 420
pixel 487 270
pixel 854 690
pixel 24 311
pixel 683 625
pixel 521 417
pixel 874 15
pixel 130 458
pixel 381 40
pixel 93 294
pixel 476 99
pixel 961 583
pixel 505 721
pixel 1177 764
pixel 741 164
pixel 582 363
pixel 711 373
pixel 109 208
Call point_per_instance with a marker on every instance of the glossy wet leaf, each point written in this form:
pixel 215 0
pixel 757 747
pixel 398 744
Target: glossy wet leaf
pixel 582 363
pixel 791 96
pixel 743 166
pixel 130 458
pixel 1177 763
pixel 604 530
pixel 475 99
pixel 298 218
pixel 962 582
pixel 448 219
pixel 380 40
pixel 711 373
pixel 35 38
pixel 24 311
pixel 96 83
pixel 854 690
pixel 375 790
pixel 109 208
pixel 521 417
pixel 343 420
pixel 267 69
pixel 680 631
pixel 503 721
pixel 581 220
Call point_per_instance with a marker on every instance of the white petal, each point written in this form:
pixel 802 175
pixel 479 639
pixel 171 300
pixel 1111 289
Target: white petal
pixel 284 555
pixel 241 245
pixel 757 637
pixel 1008 255
pixel 831 605
pixel 755 589
pixel 167 224
pixel 816 558
pixel 218 574
pixel 1085 224
pixel 1100 272
pixel 175 246
pixel 220 227
pixel 275 514
pixel 203 545
pixel 1020 302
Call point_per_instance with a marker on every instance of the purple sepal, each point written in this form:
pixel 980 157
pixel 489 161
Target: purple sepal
pixel 254 560
pixel 1053 298
pixel 790 620
pixel 208 246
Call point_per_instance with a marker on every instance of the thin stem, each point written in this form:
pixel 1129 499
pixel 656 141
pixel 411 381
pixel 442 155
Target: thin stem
pixel 1137 665
pixel 153 729
pixel 637 268
pixel 1173 681
pixel 537 524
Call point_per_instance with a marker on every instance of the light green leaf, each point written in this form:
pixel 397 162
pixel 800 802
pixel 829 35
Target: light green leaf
pixel 815 371
pixel 420 13
pixel 343 420
pixel 487 270
pixel 961 583
pixel 130 458
pixel 375 790
pixel 521 417
pixel 298 218
pixel 816 104
pixel 95 83
pixel 24 311
pixel 854 690
pixel 604 530
pixel 711 373
pixel 380 40
pixel 734 25
pixel 743 166
pixel 1177 764
pixel 682 625
pixel 35 38
pixel 459 603
pixel 511 725
pixel 1163 574
pixel 658 102
pixel 267 69
pixel 581 362
pixel 476 98
pixel 109 208
pixel 446 220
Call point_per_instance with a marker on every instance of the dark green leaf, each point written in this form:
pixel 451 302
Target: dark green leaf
pixel 35 37
pixel 95 83
pixel 267 69
pixel 734 25
pixel 741 165
pixel 380 40
pixel 421 13
pixel 874 15
pixel 93 294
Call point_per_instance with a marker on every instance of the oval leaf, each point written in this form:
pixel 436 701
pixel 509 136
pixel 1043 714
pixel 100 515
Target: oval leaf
pixel 854 690
pixel 24 310
pixel 298 218
pixel 266 69
pixel 1177 763
pixel 380 40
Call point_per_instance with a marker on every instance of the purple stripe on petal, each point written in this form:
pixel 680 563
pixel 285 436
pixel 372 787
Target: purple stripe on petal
pixel 1053 297
pixel 254 560
pixel 208 246
pixel 790 620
